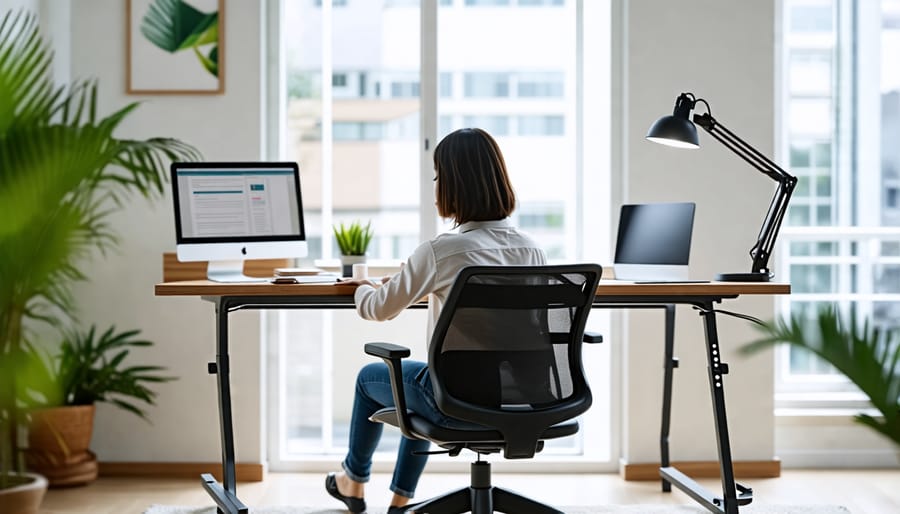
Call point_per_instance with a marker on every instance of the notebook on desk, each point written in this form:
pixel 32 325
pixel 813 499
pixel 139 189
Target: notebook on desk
pixel 653 242
pixel 305 279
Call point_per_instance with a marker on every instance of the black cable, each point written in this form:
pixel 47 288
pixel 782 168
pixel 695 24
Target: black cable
pixel 746 317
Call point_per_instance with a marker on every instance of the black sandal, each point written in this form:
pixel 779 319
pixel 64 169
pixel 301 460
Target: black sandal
pixel 354 504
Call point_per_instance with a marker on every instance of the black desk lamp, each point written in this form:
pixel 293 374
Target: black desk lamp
pixel 678 131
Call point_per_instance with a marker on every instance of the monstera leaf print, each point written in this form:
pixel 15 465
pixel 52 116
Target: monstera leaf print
pixel 175 25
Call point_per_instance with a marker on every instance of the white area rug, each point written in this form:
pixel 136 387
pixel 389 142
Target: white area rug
pixel 603 509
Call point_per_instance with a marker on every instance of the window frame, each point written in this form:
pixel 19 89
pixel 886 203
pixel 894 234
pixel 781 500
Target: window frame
pixel 590 189
pixel 854 231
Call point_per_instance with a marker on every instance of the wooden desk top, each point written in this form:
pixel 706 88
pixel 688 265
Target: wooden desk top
pixel 606 287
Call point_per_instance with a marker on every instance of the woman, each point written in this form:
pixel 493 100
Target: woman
pixel 472 188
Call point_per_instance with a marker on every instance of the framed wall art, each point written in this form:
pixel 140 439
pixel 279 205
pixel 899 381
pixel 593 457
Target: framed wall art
pixel 175 47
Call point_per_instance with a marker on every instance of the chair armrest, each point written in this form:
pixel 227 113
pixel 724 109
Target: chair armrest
pixel 387 350
pixel 391 354
pixel 592 337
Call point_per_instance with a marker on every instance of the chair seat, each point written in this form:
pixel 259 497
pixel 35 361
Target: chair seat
pixel 441 435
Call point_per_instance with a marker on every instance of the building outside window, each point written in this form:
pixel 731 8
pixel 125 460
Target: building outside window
pixel 483 84
pixel 841 125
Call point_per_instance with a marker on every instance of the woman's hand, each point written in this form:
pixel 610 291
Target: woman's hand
pixel 370 281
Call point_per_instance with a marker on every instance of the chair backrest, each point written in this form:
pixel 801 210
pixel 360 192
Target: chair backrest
pixel 506 350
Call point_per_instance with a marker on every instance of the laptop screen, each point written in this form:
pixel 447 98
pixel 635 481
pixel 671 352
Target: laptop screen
pixel 654 240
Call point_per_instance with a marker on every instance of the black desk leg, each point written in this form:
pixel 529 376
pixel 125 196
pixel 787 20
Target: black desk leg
pixel 717 371
pixel 669 365
pixel 225 495
pixel 734 494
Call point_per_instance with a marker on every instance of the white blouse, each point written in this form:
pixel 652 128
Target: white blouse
pixel 433 266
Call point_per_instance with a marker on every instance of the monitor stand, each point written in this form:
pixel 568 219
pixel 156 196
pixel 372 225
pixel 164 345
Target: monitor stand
pixel 229 271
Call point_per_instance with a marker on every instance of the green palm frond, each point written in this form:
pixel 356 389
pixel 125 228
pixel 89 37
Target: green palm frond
pixel 175 25
pixel 868 356
pixel 61 167
pixel 91 368
pixel 58 182
pixel 26 90
pixel 35 378
pixel 63 174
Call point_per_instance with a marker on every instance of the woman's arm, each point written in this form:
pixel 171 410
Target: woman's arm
pixel 414 281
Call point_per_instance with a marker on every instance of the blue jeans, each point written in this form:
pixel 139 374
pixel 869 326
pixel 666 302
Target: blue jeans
pixel 373 392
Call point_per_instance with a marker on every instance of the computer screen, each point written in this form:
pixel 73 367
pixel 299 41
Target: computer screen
pixel 227 212
pixel 654 241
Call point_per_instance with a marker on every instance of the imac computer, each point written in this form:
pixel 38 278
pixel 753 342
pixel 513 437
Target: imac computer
pixel 228 212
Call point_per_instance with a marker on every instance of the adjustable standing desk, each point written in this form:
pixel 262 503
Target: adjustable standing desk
pixel 620 295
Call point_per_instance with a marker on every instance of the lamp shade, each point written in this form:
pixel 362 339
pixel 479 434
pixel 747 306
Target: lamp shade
pixel 674 131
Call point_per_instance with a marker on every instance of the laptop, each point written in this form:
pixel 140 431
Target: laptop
pixel 653 242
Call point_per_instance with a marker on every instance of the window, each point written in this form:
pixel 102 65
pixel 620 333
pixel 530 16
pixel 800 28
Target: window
pixel 487 2
pixel 536 85
pixel 496 125
pixel 549 84
pixel 487 85
pixel 445 85
pixel 405 89
pixel 841 98
pixel 532 125
pixel 544 221
pixel 356 111
pixel 541 3
pixel 810 17
pixel 358 131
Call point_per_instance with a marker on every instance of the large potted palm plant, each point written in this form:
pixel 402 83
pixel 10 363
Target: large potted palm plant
pixel 62 173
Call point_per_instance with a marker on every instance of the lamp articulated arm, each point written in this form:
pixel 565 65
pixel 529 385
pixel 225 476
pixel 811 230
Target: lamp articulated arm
pixel 768 232
pixel 678 130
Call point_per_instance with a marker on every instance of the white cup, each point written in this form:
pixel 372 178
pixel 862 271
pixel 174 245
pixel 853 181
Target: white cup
pixel 360 270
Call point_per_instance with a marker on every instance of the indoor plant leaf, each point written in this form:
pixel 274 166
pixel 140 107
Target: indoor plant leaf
pixel 63 173
pixel 93 368
pixel 353 239
pixel 868 356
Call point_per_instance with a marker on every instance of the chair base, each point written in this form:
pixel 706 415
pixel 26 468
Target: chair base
pixel 482 498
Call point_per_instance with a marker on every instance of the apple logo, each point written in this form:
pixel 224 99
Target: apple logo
pixel 244 250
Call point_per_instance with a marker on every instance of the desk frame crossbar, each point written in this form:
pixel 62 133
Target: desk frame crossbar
pixel 733 495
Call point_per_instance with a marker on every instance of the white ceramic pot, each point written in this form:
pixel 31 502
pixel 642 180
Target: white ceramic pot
pixel 347 262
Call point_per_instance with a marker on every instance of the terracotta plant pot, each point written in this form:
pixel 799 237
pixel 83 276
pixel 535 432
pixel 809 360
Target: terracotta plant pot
pixel 58 442
pixel 24 498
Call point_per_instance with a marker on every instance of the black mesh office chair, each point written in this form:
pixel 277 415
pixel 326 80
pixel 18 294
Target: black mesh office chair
pixel 506 356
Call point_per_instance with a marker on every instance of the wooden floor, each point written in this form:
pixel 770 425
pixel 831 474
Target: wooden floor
pixel 862 492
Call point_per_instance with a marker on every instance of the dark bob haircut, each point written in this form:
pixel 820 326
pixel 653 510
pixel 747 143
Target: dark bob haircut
pixel 472 183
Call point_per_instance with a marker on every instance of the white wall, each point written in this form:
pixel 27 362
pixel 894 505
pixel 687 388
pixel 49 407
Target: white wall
pixel 722 51
pixel 120 292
